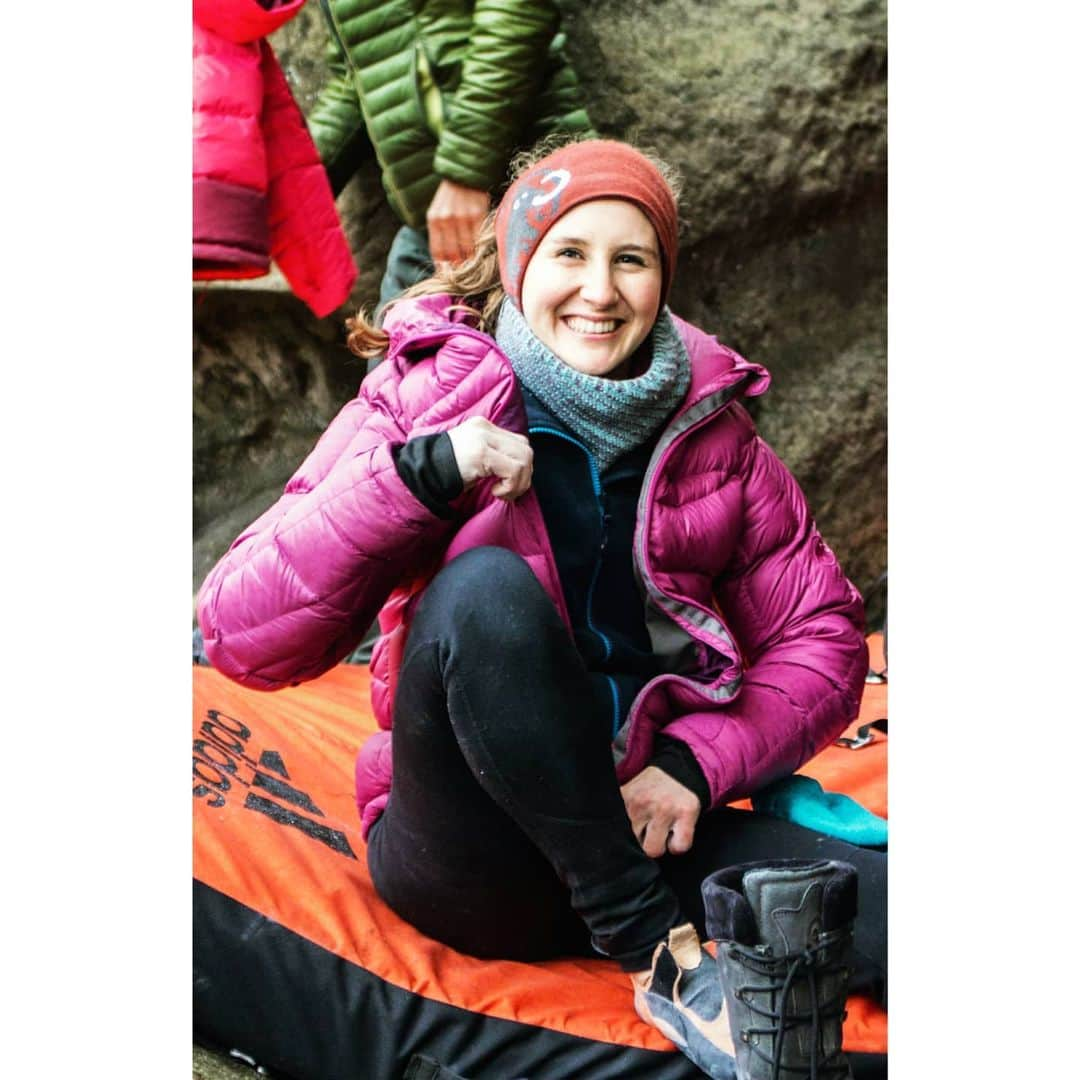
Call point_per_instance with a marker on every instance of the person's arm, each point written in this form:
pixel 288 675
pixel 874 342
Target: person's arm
pixel 299 587
pixel 799 623
pixel 297 590
pixel 438 468
pixel 500 76
pixel 337 124
pixel 665 799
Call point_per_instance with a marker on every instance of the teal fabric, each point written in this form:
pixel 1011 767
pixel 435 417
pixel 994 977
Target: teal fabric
pixel 803 801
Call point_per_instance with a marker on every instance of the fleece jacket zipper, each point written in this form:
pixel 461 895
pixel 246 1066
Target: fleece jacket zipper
pixel 598 492
pixel 594 475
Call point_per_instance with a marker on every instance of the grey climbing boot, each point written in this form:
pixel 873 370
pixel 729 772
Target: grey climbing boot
pixel 783 933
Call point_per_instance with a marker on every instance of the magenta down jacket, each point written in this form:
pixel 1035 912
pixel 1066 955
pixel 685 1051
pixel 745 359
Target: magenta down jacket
pixel 735 573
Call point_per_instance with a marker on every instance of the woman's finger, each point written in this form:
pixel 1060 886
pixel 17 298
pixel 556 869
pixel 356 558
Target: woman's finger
pixel 682 835
pixel 510 457
pixel 512 487
pixel 482 449
pixel 509 446
pixel 498 436
pixel 655 840
pixel 514 474
pixel 512 446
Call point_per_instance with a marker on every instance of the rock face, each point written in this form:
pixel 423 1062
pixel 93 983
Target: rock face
pixel 775 115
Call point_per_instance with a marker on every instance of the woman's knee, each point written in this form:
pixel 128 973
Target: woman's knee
pixel 482 570
pixel 488 590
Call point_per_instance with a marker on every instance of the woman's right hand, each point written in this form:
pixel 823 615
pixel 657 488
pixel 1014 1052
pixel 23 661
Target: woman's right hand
pixel 481 449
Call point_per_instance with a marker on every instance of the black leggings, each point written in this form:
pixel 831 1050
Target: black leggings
pixel 505 834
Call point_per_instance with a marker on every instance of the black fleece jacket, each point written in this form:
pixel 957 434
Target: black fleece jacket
pixel 590 519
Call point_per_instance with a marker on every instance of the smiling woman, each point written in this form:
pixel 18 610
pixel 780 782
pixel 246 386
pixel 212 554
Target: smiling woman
pixel 606 613
pixel 591 292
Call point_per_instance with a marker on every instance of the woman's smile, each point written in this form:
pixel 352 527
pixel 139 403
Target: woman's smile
pixel 583 324
pixel 591 292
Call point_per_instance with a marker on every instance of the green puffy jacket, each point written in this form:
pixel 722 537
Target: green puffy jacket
pixel 441 89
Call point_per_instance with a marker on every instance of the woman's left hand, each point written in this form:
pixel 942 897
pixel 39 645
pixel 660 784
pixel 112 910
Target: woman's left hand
pixel 663 813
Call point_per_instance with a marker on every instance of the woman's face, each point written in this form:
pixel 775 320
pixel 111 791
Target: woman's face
pixel 591 291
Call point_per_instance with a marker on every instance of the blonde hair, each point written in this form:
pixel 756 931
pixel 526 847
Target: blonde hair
pixel 475 282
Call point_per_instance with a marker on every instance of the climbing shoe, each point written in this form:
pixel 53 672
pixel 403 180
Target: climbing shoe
pixel 783 932
pixel 681 996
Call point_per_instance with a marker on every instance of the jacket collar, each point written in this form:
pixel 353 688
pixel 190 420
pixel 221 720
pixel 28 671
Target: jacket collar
pixel 424 314
pixel 715 367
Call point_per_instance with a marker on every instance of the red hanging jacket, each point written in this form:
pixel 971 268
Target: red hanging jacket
pixel 259 188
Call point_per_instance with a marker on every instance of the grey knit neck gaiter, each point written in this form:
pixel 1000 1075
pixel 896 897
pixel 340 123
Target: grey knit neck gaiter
pixel 611 416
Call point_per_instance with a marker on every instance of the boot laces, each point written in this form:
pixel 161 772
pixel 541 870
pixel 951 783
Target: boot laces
pixel 782 972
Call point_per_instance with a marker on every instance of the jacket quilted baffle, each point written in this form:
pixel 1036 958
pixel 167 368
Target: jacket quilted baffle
pixel 259 189
pixel 761 632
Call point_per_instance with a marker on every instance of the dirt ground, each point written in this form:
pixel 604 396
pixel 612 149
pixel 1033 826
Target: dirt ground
pixel 206 1065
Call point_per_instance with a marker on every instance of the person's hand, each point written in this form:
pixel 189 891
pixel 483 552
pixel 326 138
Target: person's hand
pixel 663 813
pixel 481 449
pixel 453 220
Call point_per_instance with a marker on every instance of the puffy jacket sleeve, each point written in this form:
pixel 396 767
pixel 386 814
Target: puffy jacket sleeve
pixel 501 74
pixel 297 589
pixel 306 238
pixel 337 124
pixel 799 624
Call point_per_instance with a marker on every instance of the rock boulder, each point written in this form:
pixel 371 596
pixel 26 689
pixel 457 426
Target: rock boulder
pixel 775 114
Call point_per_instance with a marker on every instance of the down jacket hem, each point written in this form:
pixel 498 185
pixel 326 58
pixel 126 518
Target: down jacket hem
pixel 230 227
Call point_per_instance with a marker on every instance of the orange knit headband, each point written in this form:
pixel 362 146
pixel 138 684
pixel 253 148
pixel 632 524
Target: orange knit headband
pixel 572 175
